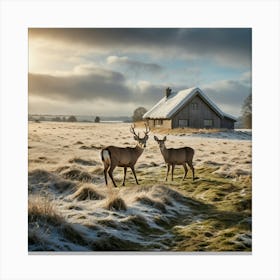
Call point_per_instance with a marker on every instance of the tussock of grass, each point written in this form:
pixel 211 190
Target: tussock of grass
pixel 240 172
pixel 109 223
pixel 36 239
pixel 74 207
pixel 162 221
pixel 92 147
pixel 210 162
pixel 76 174
pixel 115 203
pixel 168 193
pixel 151 202
pixel 63 185
pixel 136 220
pixel 69 232
pixel 98 170
pixel 83 161
pixel 141 224
pixel 43 181
pixel 39 176
pixel 44 219
pixel 87 192
pixel 40 160
pixel 62 168
pixel 42 210
pixel 113 243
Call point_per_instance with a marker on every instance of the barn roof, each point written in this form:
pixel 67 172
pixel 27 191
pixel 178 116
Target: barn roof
pixel 168 106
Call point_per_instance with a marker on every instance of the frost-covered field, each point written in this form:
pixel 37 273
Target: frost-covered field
pixel 71 209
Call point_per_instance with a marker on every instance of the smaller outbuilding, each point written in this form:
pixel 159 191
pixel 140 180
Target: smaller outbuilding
pixel 188 108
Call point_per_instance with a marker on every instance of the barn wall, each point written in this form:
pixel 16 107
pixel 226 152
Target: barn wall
pixel 227 123
pixel 150 122
pixel 197 116
pixel 165 123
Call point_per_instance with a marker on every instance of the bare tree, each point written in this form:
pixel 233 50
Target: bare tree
pixel 247 112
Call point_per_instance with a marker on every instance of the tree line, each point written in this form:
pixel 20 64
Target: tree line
pixel 245 119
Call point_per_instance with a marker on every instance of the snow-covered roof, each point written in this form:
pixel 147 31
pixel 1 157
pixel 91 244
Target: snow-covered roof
pixel 168 106
pixel 230 116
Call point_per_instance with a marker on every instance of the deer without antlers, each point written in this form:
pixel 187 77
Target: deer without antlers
pixel 179 156
pixel 113 156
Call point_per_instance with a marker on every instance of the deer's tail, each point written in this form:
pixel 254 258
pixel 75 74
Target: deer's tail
pixel 105 156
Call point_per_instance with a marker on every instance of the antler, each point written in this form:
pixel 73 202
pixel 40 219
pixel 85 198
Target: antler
pixel 147 129
pixel 133 131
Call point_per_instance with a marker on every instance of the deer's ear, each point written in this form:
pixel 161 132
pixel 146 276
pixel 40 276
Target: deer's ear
pixel 164 138
pixel 155 138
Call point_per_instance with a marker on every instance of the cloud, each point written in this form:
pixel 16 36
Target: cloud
pixel 134 65
pixel 45 105
pixel 87 89
pixel 246 78
pixel 148 94
pixel 226 45
pixel 230 46
pixel 229 95
pixel 96 83
pixel 89 84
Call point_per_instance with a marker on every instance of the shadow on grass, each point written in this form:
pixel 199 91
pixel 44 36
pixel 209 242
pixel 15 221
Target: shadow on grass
pixel 211 230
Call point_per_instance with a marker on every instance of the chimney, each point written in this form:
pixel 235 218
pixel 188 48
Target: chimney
pixel 167 92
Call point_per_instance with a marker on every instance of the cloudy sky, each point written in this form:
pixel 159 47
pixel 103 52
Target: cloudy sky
pixel 111 72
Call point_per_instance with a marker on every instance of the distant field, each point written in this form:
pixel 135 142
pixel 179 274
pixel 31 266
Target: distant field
pixel 71 209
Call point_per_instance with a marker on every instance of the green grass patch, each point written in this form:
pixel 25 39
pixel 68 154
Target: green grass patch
pixel 223 205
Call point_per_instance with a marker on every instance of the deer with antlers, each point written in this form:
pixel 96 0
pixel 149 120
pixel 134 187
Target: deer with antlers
pixel 179 156
pixel 113 156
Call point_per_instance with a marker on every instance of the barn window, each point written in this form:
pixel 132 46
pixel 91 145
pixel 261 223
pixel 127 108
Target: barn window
pixel 208 123
pixel 194 106
pixel 183 123
pixel 158 122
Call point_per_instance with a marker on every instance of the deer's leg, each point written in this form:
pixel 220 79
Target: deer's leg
pixel 111 174
pixel 105 173
pixel 191 167
pixel 167 171
pixel 124 175
pixel 186 171
pixel 172 171
pixel 133 171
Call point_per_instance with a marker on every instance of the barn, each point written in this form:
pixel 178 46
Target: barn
pixel 188 108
